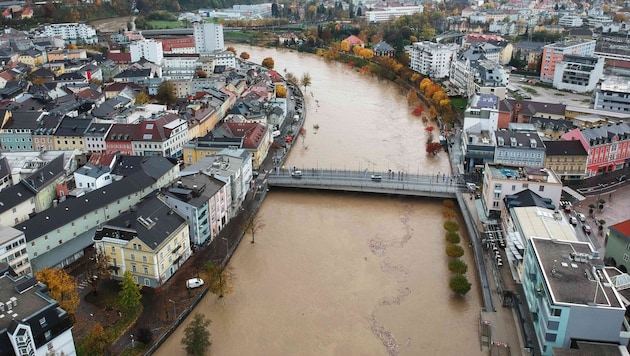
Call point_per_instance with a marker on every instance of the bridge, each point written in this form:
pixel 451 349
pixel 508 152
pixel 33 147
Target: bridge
pixel 367 182
pixel 396 183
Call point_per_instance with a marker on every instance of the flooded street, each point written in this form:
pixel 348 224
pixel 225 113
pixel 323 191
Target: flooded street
pixel 345 274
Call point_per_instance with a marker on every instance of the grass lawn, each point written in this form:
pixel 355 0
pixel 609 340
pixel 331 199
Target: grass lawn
pixel 165 24
pixel 239 35
pixel 459 104
pixel 530 90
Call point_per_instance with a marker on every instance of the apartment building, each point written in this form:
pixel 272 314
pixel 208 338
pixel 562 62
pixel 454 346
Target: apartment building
pixel 570 21
pixel 578 73
pixel 381 14
pixel 148 49
pixel 555 52
pixel 567 158
pixel 613 94
pixel 164 136
pixel 608 147
pixel 71 32
pixel 208 37
pixel 570 296
pixel 31 322
pixel 13 250
pixel 432 59
pixel 150 240
pixel 618 245
pixel 519 148
pixel 501 180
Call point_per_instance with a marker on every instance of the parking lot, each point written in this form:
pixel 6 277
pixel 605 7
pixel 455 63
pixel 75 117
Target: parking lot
pixel 548 95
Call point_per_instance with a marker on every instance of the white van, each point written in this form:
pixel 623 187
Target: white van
pixel 276 133
pixel 194 283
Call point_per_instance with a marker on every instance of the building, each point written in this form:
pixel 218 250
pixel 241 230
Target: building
pixel 516 148
pixel 150 240
pixel 208 37
pixel 608 147
pixel 618 246
pixel 71 32
pixel 578 73
pixel 570 21
pixel 149 49
pixel 31 323
pixel 570 296
pixel 480 124
pixel 383 49
pixel 204 201
pixel 432 59
pixel 490 78
pixel 391 13
pixel 501 180
pixel 566 158
pixel 13 250
pixel 164 136
pixel 555 52
pixel 613 94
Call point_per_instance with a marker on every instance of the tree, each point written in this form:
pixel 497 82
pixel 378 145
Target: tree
pixel 62 287
pixel 221 279
pixel 142 98
pixel 455 251
pixel 457 266
pixel 601 203
pixel 281 91
pixel 433 148
pixel 452 237
pixel 231 49
pixel 268 63
pixel 166 93
pixel 417 111
pixel 305 81
pixel 96 342
pixel 253 224
pixel 129 292
pixel 459 284
pixel 145 335
pixel 451 225
pixel 291 78
pixel 345 46
pixel 99 267
pixel 196 340
pixel 591 209
pixel 244 55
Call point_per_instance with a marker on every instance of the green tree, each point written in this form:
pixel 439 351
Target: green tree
pixel 129 292
pixel 196 340
pixel 305 81
pixel 452 237
pixel 96 342
pixel 459 284
pixel 451 225
pixel 268 63
pixel 142 98
pixel 457 266
pixel 220 279
pixel 166 93
pixel 253 224
pixel 455 251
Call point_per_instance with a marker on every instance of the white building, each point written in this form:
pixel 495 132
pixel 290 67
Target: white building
pixel 183 66
pixel 578 73
pixel 391 13
pixel 570 21
pixel 225 58
pixel 161 137
pixel 72 32
pixel 432 59
pixel 148 49
pixel 90 177
pixel 501 180
pixel 613 94
pixel 13 250
pixel 208 37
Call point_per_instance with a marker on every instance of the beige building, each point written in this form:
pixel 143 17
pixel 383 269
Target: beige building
pixel 567 158
pixel 151 241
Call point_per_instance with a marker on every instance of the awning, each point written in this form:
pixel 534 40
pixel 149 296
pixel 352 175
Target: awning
pixel 573 193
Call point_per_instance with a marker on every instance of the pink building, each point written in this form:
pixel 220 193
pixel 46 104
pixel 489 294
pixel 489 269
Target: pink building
pixel 554 53
pixel 608 147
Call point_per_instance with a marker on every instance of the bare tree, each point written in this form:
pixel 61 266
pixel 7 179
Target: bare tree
pixel 253 224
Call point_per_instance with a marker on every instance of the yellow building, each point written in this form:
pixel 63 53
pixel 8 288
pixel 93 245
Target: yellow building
pixel 151 241
pixel 567 158
pixel 70 134
pixel 65 54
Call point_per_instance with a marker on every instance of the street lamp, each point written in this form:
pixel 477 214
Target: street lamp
pixel 601 187
pixel 174 312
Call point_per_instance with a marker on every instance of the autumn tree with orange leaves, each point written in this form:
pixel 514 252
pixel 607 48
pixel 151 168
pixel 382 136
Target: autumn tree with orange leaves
pixel 62 287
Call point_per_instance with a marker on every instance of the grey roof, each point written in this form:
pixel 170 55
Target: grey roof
pixel 14 195
pixel 136 73
pixel 565 148
pixel 527 198
pixel 523 139
pixel 383 47
pixel 5 170
pixel 154 167
pixel 152 221
pixel 72 209
pixel 195 189
pixel 604 133
pixel 23 120
pixel 91 170
pixel 98 129
pixel 72 127
pixel 45 175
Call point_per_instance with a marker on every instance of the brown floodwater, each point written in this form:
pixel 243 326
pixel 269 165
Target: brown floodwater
pixel 345 274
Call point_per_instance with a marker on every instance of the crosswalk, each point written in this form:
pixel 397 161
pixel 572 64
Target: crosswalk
pixel 84 284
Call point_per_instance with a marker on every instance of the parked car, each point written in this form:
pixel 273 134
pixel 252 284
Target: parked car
pixel 586 228
pixel 581 217
pixel 194 283
pixel 621 178
pixel 573 220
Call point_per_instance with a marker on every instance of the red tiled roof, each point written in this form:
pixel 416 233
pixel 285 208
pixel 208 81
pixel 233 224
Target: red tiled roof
pixel 623 228
pixel 102 159
pixel 252 133
pixel 354 40
pixel 120 57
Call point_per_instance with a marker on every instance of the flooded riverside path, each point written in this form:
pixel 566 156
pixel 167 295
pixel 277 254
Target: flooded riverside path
pixel 345 274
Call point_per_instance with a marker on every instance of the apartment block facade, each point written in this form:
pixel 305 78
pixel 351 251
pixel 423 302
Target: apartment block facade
pixel 555 52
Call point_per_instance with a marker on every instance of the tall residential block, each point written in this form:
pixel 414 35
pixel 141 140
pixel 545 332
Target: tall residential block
pixel 208 37
pixel 554 53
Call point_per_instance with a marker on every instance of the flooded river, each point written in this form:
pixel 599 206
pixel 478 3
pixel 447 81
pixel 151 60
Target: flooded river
pixel 345 274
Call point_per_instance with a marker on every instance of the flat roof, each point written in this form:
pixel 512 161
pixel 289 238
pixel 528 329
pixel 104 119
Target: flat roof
pixel 28 302
pixel 573 274
pixel 540 222
pixel 615 83
pixel 508 172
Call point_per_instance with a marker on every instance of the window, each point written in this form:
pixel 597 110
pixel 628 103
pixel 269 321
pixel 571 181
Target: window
pixel 113 249
pixel 495 204
pixel 553 325
pixel 43 322
pixel 146 270
pixel 133 268
pixel 133 257
pixel 541 188
pixel 147 282
pixel 144 259
pixel 513 187
pixel 556 312
pixel 525 185
pixel 550 337
pixel 626 257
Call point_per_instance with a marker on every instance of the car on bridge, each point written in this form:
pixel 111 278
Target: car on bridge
pixel 296 174
pixel 377 177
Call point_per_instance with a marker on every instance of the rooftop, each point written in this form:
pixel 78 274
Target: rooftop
pixel 614 83
pixel 501 171
pixel 574 273
pixel 622 228
pixel 545 223
pixel 27 299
